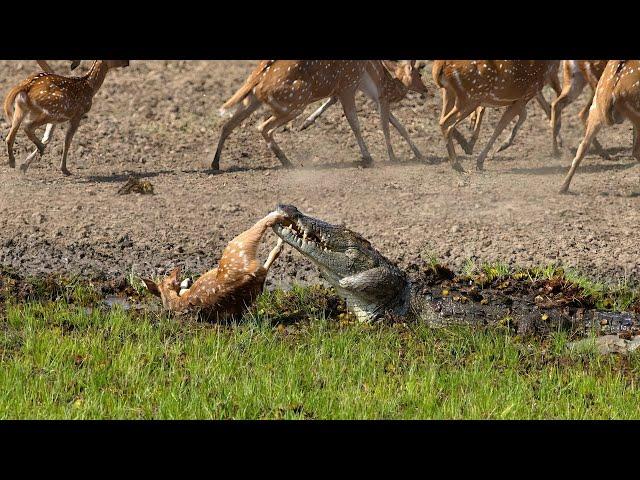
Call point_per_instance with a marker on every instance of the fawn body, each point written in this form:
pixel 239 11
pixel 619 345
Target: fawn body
pixel 227 290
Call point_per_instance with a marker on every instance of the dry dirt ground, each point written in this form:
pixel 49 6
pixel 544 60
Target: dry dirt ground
pixel 159 120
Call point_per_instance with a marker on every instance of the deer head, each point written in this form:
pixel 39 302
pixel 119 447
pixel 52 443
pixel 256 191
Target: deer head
pixel 407 72
pixel 170 282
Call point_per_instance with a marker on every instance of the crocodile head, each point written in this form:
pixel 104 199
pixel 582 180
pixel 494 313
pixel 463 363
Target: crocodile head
pixel 370 283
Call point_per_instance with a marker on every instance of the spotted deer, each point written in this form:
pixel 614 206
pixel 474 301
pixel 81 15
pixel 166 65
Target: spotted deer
pixel 288 86
pixel 477 116
pixel 576 74
pixel 229 289
pixel 45 98
pixel 44 65
pixel 396 80
pixel 616 98
pixel 469 84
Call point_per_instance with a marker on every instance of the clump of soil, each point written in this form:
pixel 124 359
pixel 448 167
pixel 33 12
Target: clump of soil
pixel 135 185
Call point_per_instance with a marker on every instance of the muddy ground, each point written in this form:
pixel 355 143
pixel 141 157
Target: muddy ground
pixel 159 120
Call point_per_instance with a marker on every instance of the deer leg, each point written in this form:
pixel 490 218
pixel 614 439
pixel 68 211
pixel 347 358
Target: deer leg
pixel 384 121
pixel 584 117
pixel 447 104
pixel 403 132
pixel 593 126
pixel 30 131
pixel 241 114
pixel 248 241
pixel 314 116
pixel 18 116
pixel 572 87
pixel 274 254
pixel 521 118
pixel 515 109
pixel 267 130
pixel 448 122
pixel 74 123
pixel 347 99
pixel 476 128
pixel 46 138
pixel 543 104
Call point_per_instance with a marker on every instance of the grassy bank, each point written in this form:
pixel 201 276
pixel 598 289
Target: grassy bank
pixel 64 360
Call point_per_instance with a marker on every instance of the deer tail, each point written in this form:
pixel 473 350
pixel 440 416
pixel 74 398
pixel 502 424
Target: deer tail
pixel 9 100
pixel 248 85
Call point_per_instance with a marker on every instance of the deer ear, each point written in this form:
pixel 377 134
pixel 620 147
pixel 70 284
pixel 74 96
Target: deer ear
pixel 151 286
pixel 74 64
pixel 174 275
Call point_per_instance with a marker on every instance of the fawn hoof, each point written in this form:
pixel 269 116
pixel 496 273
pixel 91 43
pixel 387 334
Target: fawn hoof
pixel 65 172
pixel 23 168
pixel 12 163
pixel 556 153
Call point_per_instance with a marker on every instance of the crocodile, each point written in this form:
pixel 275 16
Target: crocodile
pixel 369 282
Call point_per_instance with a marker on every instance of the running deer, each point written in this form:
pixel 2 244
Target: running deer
pixel 616 98
pixel 477 116
pixel 396 80
pixel 576 74
pixel 46 98
pixel 230 288
pixel 288 86
pixel 469 84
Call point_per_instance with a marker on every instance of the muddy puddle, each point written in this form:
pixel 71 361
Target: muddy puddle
pixel 526 307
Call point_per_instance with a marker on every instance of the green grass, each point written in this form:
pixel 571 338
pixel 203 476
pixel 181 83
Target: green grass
pixel 294 356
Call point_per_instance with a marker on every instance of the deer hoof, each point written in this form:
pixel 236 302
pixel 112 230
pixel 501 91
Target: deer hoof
pixel 458 167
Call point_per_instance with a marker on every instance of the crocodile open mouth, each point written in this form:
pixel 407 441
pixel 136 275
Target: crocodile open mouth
pixel 297 234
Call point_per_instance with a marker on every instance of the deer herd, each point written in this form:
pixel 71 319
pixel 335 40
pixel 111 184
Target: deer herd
pixel 288 87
